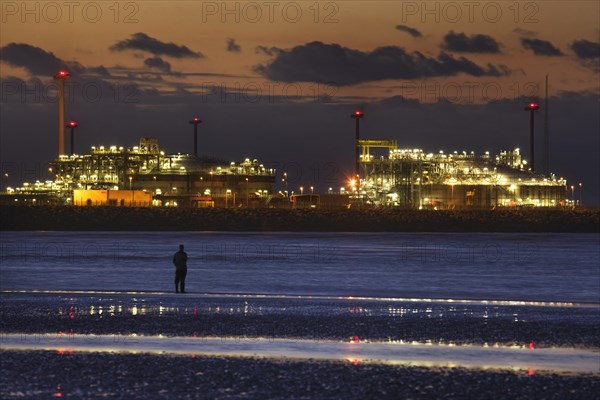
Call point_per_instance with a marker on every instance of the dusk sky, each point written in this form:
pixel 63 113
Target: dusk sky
pixel 277 81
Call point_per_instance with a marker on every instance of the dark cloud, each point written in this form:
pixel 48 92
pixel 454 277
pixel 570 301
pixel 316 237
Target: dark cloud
pixel 35 59
pixel 341 66
pixel 524 32
pixel 541 47
pixel 158 63
pixel 270 51
pixel 411 31
pixel 141 41
pixel 462 43
pixel 232 46
pixel 100 70
pixel 586 50
pixel 588 53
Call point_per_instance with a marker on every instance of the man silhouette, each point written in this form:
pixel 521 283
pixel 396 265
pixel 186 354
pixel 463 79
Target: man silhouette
pixel 180 262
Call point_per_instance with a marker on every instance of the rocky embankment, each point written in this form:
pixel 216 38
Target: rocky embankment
pixel 263 219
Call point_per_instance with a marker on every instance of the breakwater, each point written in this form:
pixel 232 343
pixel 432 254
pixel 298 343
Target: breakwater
pixel 64 218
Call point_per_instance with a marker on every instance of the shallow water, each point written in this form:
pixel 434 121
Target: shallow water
pixel 500 357
pixel 498 266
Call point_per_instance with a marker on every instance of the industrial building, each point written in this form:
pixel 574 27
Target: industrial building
pixel 411 178
pixel 144 175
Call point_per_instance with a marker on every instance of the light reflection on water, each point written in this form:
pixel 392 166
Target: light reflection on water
pixel 394 353
pixel 138 307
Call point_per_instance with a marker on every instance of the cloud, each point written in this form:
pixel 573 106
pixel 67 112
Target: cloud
pixel 588 53
pixel 158 63
pixel 524 32
pixel 35 59
pixel 585 49
pixel 462 43
pixel 411 31
pixel 100 70
pixel 341 66
pixel 232 46
pixel 541 47
pixel 141 41
pixel 270 51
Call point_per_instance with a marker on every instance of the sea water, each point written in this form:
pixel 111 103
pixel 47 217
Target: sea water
pixel 472 266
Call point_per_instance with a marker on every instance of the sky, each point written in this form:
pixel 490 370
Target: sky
pixel 277 81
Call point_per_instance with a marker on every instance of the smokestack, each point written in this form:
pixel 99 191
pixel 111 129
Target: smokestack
pixel 195 122
pixel 532 107
pixel 546 133
pixel 61 76
pixel 72 125
pixel 357 115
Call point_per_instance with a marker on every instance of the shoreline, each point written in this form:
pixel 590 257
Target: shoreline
pixel 67 218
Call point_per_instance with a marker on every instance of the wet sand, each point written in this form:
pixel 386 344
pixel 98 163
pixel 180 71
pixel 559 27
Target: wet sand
pixel 44 374
pixel 303 318
pixel 88 374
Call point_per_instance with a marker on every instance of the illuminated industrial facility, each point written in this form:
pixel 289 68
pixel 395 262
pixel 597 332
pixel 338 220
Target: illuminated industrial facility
pixel 144 175
pixel 411 178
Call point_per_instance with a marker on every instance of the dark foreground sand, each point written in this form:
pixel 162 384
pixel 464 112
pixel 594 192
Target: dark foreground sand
pixel 47 374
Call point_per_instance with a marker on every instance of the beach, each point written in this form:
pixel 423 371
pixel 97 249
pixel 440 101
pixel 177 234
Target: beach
pixel 142 376
pixel 83 345
pixel 300 315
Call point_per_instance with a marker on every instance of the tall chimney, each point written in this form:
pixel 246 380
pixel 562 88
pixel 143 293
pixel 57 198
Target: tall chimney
pixel 61 76
pixel 546 133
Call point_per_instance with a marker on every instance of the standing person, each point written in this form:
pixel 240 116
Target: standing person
pixel 180 261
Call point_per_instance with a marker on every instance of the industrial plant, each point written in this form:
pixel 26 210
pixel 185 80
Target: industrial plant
pixel 143 175
pixel 412 178
pixel 384 175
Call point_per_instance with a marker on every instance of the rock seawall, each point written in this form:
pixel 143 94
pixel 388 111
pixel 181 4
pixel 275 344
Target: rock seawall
pixel 62 218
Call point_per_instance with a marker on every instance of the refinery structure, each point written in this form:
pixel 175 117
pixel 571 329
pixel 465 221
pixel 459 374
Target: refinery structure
pixel 411 178
pixel 384 175
pixel 143 175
